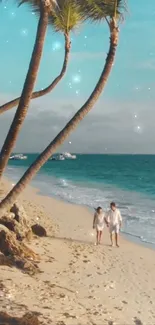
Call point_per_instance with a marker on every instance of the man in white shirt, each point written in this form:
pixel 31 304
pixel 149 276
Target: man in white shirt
pixel 114 222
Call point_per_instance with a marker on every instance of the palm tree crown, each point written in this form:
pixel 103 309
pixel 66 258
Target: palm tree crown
pixel 99 10
pixel 66 16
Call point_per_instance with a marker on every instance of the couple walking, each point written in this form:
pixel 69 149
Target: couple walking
pixel 112 219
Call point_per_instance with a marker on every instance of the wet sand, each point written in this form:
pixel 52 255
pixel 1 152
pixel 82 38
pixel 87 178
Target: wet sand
pixel 80 283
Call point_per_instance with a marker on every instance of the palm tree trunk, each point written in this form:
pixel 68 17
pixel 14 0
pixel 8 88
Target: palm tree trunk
pixel 26 92
pixel 71 125
pixel 36 94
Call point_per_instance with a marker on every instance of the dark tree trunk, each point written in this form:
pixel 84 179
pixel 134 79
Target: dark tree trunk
pixel 26 93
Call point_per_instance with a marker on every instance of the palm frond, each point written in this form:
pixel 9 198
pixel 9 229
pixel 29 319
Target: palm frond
pixel 36 5
pixel 98 10
pixel 66 16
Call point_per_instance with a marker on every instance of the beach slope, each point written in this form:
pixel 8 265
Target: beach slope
pixel 79 283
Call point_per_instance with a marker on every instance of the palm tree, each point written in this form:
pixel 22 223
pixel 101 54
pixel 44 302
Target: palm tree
pixel 111 13
pixel 65 17
pixel 44 8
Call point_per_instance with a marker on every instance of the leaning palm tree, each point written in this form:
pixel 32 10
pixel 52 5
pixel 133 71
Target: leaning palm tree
pixel 110 12
pixel 65 18
pixel 44 7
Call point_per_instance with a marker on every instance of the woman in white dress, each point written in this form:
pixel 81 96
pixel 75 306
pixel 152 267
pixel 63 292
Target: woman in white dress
pixel 98 224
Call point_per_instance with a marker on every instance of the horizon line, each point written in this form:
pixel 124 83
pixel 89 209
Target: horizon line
pixel 91 153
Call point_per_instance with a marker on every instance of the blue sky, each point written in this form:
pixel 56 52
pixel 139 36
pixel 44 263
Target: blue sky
pixel 131 84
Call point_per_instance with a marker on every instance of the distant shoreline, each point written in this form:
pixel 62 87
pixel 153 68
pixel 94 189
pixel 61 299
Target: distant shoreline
pixel 89 154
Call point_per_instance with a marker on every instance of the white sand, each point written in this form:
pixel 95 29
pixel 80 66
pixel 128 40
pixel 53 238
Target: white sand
pixel 80 283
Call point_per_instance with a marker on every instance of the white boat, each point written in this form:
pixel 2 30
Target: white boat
pixel 63 156
pixel 58 157
pixel 19 156
pixel 68 155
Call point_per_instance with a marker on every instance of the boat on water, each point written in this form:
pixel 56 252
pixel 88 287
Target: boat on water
pixel 57 157
pixel 68 155
pixel 19 156
pixel 63 156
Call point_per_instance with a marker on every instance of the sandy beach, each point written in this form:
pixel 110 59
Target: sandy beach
pixel 79 283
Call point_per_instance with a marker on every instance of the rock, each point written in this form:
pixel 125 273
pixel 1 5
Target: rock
pixel 26 266
pixel 17 221
pixel 20 214
pixel 27 319
pixel 17 254
pixel 10 246
pixel 8 222
pixel 7 241
pixel 5 261
pixel 39 230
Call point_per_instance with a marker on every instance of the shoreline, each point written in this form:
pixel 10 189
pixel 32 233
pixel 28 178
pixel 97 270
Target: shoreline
pixel 132 239
pixel 127 236
pixel 79 283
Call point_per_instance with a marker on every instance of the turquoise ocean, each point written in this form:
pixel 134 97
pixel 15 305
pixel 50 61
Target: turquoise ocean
pixel 96 180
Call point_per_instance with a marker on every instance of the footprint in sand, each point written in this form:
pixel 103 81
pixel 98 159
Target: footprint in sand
pixel 118 308
pixel 137 321
pixel 124 302
pixel 67 315
pixel 62 295
pixel 95 313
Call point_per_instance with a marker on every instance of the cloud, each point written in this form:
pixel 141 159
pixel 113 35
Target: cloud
pixel 78 55
pixel 110 125
pixel 148 64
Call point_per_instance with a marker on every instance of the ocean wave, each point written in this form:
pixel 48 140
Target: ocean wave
pixel 137 211
pixel 63 183
pixel 141 238
pixel 133 218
